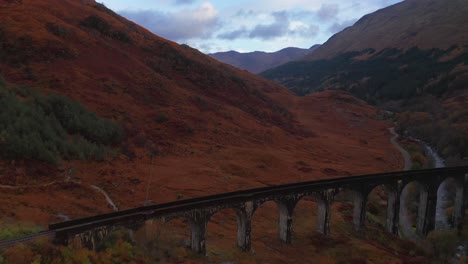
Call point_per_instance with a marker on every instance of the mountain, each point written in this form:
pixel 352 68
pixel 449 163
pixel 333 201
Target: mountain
pixel 93 103
pixel 409 58
pixel 424 24
pixel 259 61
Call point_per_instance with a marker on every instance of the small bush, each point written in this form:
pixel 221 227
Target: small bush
pixel 121 36
pixel 58 30
pixel 161 118
pixel 117 248
pixel 442 245
pixel 97 23
pixel 238 80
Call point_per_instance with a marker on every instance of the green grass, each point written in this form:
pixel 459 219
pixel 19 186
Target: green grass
pixel 14 230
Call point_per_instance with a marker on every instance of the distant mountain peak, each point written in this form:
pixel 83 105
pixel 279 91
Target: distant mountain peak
pixel 258 61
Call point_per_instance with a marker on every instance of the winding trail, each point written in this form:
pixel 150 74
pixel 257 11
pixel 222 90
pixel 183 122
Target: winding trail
pixel 406 155
pixel 406 229
pixel 108 199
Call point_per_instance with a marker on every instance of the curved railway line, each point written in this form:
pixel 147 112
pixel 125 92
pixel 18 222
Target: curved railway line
pixel 160 210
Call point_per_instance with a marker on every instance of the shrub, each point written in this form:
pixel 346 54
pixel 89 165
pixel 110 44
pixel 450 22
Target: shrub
pixel 97 23
pixel 442 245
pixel 20 50
pixel 58 30
pixel 121 36
pixel 161 118
pixel 51 127
pixel 117 248
pixel 13 230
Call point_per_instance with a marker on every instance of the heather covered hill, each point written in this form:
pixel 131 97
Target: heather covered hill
pixel 185 125
pixel 191 114
pixel 258 61
pixel 409 58
pixel 424 24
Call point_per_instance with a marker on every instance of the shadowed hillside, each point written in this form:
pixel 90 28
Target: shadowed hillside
pixel 409 58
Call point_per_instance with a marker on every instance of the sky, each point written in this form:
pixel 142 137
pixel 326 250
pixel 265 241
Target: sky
pixel 245 26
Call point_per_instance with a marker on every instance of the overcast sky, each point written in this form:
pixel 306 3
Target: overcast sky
pixel 246 25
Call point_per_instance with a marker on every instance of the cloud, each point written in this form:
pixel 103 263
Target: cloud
pixel 278 28
pixel 339 26
pixel 245 13
pixel 183 2
pixel 246 25
pixel 328 12
pixel 185 24
pixel 281 26
pixel 235 34
pixel 302 29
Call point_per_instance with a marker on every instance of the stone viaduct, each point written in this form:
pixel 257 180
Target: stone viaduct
pixel 198 211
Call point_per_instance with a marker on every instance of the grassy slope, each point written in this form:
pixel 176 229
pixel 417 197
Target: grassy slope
pixel 210 128
pixel 425 24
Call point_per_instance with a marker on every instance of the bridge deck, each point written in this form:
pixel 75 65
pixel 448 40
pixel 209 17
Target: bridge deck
pixel 243 195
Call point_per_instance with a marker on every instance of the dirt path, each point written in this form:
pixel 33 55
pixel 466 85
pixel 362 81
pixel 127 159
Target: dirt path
pixel 108 199
pixel 406 230
pixel 406 155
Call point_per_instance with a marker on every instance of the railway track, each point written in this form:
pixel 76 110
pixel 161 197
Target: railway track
pixel 49 235
pixel 148 212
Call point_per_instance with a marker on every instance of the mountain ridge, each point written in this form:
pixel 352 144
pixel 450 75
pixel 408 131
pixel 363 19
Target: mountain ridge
pixel 424 24
pixel 258 61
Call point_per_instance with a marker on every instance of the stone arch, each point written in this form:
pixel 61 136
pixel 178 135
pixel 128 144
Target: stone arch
pixel 91 238
pixel 198 222
pixel 450 193
pixel 265 223
pixel 235 225
pixel 161 235
pixel 244 215
pixel 392 200
pixel 323 212
pixel 417 192
pixel 286 206
pixel 358 197
pixel 323 200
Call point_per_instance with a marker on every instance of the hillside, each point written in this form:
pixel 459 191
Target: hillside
pixel 424 24
pixel 258 61
pixel 146 121
pixel 409 58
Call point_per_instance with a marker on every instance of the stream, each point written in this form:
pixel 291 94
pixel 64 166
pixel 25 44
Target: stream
pixel 438 162
pixel 442 194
